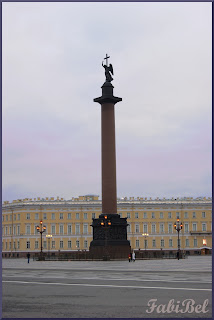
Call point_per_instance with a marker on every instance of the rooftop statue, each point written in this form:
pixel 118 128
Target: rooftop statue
pixel 108 70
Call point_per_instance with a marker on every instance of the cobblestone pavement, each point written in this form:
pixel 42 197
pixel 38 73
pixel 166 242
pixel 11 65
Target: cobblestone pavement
pixel 104 289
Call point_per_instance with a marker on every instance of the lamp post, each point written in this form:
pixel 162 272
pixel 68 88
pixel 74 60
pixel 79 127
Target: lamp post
pixel 178 226
pixel 49 236
pixel 41 229
pixel 145 243
pixel 106 223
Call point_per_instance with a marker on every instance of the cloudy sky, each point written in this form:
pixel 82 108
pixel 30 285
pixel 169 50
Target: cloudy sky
pixel 52 55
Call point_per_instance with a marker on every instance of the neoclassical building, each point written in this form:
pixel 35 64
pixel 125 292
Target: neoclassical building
pixel 68 224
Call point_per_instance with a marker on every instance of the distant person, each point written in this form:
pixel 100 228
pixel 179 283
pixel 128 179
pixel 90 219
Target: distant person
pixel 130 256
pixel 133 256
pixel 28 257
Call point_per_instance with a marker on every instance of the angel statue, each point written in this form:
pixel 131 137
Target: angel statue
pixel 108 72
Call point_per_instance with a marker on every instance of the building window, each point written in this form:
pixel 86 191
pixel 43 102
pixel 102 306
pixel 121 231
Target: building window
pixel 77 227
pixel 145 228
pixel 137 228
pixel 137 243
pixel 36 216
pixel 69 216
pixel 61 244
pixel 177 215
pixel 145 215
pixel 10 230
pixel 129 229
pixel 69 228
pixel 53 244
pixel 10 217
pixel 28 245
pixel 170 243
pixel 44 216
pixel 161 215
pixel 77 216
pixel 17 244
pixel 153 215
pixel 28 216
pixel 36 244
pixel 136 215
pixel 85 244
pixel 128 215
pixel 9 245
pixel 153 228
pixel 18 230
pixel 61 216
pixel 61 229
pixel 193 215
pixel 69 243
pixel 145 244
pixel 170 228
pixel 93 215
pixel 186 227
pixel 187 242
pixel 27 229
pixel 153 243
pixel 195 243
pixel 18 216
pixel 6 217
pixel 85 216
pixel 5 245
pixel 204 227
pixel 194 227
pixel 52 216
pixel 53 229
pixel 14 230
pixel 203 214
pixel 85 228
pixel 45 244
pixel 162 243
pixel 169 215
pixel 6 228
pixel 161 228
pixel 185 215
pixel 14 245
pixel 77 244
pixel 14 217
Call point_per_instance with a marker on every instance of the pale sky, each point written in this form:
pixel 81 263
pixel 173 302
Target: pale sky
pixel 52 56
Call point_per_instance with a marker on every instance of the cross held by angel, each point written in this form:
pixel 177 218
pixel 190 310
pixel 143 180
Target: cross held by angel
pixel 108 70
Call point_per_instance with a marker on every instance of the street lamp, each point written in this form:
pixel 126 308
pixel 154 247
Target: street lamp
pixel 105 225
pixel 49 236
pixel 41 229
pixel 145 241
pixel 178 226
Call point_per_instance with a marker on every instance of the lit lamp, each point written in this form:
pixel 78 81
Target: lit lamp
pixel 41 229
pixel 204 242
pixel 49 236
pixel 178 226
pixel 105 225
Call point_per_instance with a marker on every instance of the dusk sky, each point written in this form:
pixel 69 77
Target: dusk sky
pixel 52 56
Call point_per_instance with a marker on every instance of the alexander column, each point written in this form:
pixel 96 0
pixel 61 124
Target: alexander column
pixel 109 230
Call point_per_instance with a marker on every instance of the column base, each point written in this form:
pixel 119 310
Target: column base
pixel 110 240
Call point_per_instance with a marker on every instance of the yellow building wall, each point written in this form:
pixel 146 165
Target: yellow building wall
pixel 31 213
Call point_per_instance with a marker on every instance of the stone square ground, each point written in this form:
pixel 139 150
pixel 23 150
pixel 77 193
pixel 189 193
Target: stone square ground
pixel 106 289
